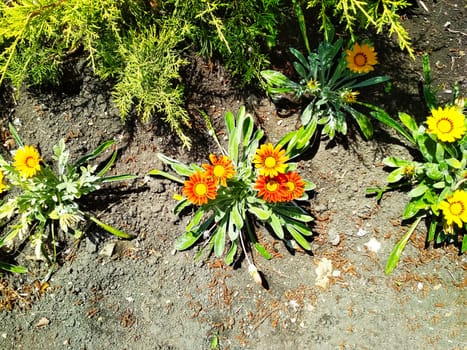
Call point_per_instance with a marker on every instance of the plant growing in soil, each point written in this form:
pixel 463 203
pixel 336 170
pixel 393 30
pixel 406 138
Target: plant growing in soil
pixel 381 15
pixel 42 198
pixel 329 79
pixel 246 184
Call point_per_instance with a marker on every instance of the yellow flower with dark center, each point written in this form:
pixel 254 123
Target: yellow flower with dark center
pixel 312 85
pixel 361 59
pixel 294 186
pixel 221 169
pixel 455 208
pixel 270 161
pixel 199 188
pixel 271 189
pixel 447 124
pixel 2 185
pixel 27 161
pixel 349 96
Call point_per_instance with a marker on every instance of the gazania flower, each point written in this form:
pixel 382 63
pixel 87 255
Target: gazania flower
pixel 270 161
pixel 27 161
pixel 294 186
pixel 447 124
pixel 361 59
pixel 220 170
pixel 199 188
pixel 349 96
pixel 2 185
pixel 271 189
pixel 455 208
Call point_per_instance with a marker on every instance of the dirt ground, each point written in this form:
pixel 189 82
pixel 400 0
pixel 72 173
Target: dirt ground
pixel 142 294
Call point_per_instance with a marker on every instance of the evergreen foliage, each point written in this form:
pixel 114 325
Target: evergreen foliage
pixel 138 42
pixel 380 14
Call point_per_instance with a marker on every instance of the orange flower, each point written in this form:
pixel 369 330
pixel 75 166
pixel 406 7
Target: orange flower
pixel 361 59
pixel 220 170
pixel 270 161
pixel 271 189
pixel 294 186
pixel 199 188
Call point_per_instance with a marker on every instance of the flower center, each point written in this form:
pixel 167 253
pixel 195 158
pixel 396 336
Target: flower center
pixel 456 208
pixel 272 186
pixel 445 125
pixel 270 162
pixel 218 171
pixel 30 162
pixel 201 189
pixel 290 185
pixel 360 59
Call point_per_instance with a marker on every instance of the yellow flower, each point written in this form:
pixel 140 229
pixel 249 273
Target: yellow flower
pixel 447 124
pixel 2 185
pixel 455 208
pixel 313 85
pixel 27 161
pixel 349 96
pixel 361 59
pixel 199 188
pixel 270 160
pixel 221 169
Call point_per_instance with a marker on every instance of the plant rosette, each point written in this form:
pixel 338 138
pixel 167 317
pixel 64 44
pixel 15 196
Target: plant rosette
pixel 437 183
pixel 245 185
pixel 42 198
pixel 329 79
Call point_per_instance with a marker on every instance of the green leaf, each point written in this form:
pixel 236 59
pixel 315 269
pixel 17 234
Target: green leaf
pixel 300 227
pixel 177 166
pixel 371 81
pixel 412 208
pixel 13 268
pixel 298 237
pixel 188 239
pixel 115 178
pixel 399 247
pixel 237 214
pixel 94 154
pixel 229 258
pixel 364 123
pixel 395 175
pixel 196 219
pixel 408 121
pixel 262 251
pixel 108 165
pixel 15 135
pixel 261 214
pixel 432 230
pixel 382 116
pixel 276 225
pixel 464 244
pixel 292 211
pixel 278 82
pixel 396 162
pixel 171 177
pixel 307 114
pixel 108 228
pixel 219 238
pixel 418 191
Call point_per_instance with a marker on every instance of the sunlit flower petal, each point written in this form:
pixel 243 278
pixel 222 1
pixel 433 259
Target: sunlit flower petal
pixel 2 184
pixel 455 208
pixel 270 161
pixel 361 59
pixel 271 189
pixel 447 124
pixel 199 188
pixel 221 169
pixel 27 161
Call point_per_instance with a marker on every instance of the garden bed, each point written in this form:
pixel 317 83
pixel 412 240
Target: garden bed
pixel 143 294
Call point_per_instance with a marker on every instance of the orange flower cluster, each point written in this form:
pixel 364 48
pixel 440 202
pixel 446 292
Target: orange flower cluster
pixel 202 185
pixel 274 184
